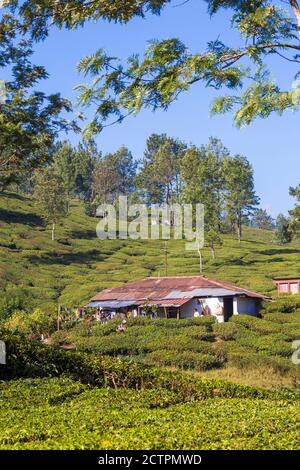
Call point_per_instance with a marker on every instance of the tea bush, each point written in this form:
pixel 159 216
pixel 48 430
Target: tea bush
pixel 283 304
pixel 173 322
pixel 273 344
pixel 139 339
pixel 243 335
pixel 292 330
pixel 246 321
pixel 184 359
pixel 32 359
pixel 57 413
pixel 248 360
pixel 181 343
pixel 85 328
pixel 225 331
pixel 285 318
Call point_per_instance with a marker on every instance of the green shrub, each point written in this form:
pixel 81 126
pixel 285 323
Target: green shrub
pixel 181 343
pixel 265 327
pixel 172 322
pixel 283 317
pixel 231 347
pixel 14 298
pixel 220 351
pixel 85 328
pixel 198 332
pixel 35 324
pixel 57 413
pixel 139 339
pixel 32 359
pixel 273 344
pixel 283 304
pixel 184 359
pixel 126 344
pixel 292 330
pixel 118 344
pixel 250 360
pixel 225 331
pixel 245 320
pixel 60 338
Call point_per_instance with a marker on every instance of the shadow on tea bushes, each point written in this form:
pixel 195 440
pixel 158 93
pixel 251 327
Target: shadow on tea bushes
pixel 32 359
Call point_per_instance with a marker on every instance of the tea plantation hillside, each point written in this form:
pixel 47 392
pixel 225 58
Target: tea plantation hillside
pixel 159 384
pixel 63 414
pixel 75 400
pixel 246 350
pixel 77 265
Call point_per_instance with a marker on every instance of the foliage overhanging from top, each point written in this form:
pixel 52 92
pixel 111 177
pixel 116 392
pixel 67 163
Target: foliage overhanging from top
pixel 168 68
pixel 30 120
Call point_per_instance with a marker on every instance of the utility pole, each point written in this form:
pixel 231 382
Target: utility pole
pixel 58 317
pixel 200 258
pixel 166 258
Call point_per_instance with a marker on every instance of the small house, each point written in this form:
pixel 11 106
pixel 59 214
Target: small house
pixel 287 285
pixel 179 297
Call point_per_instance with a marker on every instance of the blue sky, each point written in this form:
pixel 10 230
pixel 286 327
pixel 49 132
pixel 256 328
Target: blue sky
pixel 271 145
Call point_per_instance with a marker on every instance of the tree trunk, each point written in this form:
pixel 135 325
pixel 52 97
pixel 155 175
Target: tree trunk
pixel 53 232
pixel 296 9
pixel 168 195
pixel 212 249
pixel 58 318
pixel 239 231
pixel 233 229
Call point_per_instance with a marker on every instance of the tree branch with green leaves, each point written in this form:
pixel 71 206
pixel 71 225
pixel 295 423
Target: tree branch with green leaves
pixel 154 81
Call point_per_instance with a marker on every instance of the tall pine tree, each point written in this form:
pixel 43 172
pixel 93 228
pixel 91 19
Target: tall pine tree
pixel 240 197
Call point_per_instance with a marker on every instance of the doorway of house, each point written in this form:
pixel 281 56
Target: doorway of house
pixel 228 308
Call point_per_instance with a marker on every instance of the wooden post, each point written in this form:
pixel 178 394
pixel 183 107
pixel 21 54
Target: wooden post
pixel 178 313
pixel 166 312
pixel 58 317
pixel 53 232
pixel 200 259
pixel 166 259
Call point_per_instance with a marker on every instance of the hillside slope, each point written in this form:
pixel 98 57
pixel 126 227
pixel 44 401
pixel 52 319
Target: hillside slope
pixel 77 400
pixel 75 266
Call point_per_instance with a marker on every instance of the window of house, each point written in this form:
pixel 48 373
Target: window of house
pixel 294 288
pixel 283 287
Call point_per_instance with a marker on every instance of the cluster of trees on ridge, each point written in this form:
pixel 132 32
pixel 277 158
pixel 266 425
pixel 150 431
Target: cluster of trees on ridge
pixel 169 171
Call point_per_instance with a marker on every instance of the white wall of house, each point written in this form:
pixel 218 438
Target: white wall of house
pixel 213 304
pixel 241 305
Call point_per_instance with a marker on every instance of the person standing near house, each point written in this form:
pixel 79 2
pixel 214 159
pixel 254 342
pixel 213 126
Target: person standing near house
pixel 97 314
pixel 196 313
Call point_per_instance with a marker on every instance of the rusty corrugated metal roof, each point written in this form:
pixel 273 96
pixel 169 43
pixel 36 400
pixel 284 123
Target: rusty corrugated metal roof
pixel 167 302
pixel 160 288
